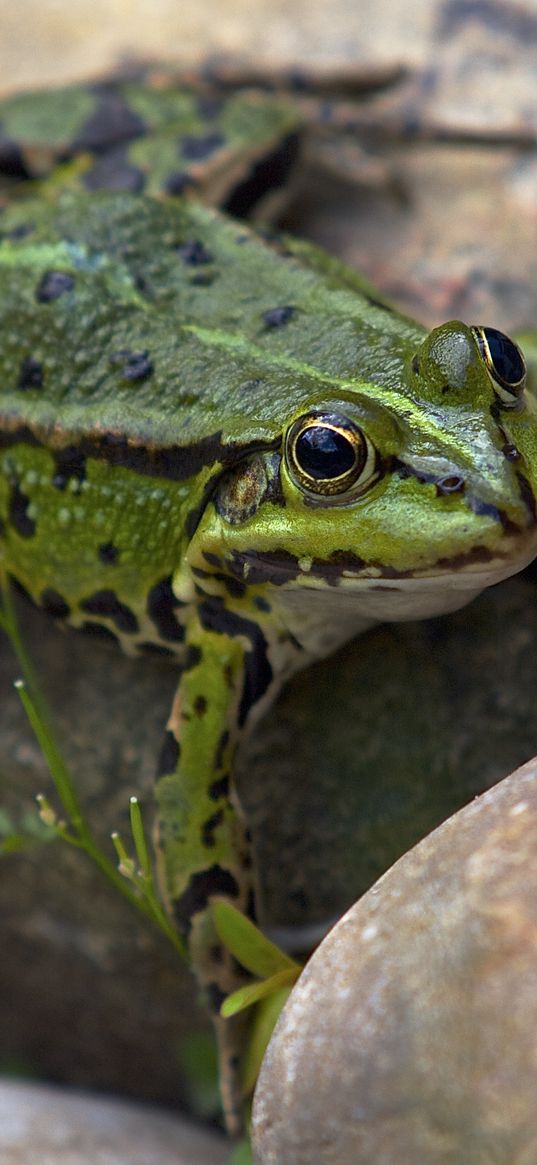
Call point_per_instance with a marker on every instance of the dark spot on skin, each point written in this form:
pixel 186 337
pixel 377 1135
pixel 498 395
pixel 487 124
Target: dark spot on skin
pixel 107 604
pixel 112 122
pixel 200 706
pixel 277 568
pixel 193 657
pixel 415 365
pixel 219 788
pixel 108 553
pixel 203 886
pixel 220 750
pixel 175 462
pixel 54 604
pixel 496 411
pixel 478 554
pixel 169 755
pixel 18 512
pixel 268 173
pixel 527 495
pixel 70 464
pixel 249 386
pixel 198 149
pixel 203 279
pixel 132 365
pixel 215 616
pixel 155 649
pixel 52 285
pixel 2 528
pixel 143 286
pixel 486 510
pixel 212 559
pixel 177 183
pixel 19 232
pixel 97 631
pixel 209 827
pixel 161 605
pixel 194 254
pixel 234 586
pixel 510 452
pixel 30 374
pixel 11 159
pixel 261 603
pixel 209 107
pixel 114 171
pixel 277 317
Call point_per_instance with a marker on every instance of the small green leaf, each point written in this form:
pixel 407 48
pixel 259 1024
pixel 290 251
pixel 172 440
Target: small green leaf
pixel 265 1020
pixel 253 950
pixel 253 992
pixel 241 1154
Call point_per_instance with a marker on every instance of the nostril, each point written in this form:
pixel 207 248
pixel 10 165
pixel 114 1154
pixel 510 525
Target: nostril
pixel 453 483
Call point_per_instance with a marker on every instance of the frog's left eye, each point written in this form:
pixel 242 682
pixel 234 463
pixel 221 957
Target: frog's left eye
pixel 328 455
pixel 505 363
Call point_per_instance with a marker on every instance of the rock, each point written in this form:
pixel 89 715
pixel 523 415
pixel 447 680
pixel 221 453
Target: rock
pixel 55 1127
pixel 410 1035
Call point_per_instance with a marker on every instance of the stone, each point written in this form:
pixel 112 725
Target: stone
pixel 50 1125
pixel 410 1035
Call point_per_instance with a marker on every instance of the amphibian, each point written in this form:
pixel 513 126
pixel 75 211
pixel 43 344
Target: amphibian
pixel 226 448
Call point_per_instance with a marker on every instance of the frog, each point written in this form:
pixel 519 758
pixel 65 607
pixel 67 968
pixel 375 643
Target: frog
pixel 222 446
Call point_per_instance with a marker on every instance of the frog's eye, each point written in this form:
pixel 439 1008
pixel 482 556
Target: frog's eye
pixel 505 364
pixel 327 455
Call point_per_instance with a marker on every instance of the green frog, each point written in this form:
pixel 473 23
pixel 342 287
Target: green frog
pixel 226 448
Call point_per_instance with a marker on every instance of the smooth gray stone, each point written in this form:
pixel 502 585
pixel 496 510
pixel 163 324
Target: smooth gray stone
pixel 43 1125
pixel 410 1036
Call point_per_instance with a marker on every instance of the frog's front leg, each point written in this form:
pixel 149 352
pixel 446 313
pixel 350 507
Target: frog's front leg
pixel 203 845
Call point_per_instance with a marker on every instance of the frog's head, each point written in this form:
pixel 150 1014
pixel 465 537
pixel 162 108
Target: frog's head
pixel 406 499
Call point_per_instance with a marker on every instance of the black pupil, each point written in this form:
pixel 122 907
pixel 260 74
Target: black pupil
pixel 324 453
pixel 505 356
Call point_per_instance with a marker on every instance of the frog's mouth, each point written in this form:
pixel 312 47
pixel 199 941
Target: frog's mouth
pixel 382 592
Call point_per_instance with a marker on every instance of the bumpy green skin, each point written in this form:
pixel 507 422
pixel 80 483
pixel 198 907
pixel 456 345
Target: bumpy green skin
pixel 153 358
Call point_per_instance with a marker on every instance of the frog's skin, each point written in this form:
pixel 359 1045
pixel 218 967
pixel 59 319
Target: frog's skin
pixel 164 376
pixel 233 150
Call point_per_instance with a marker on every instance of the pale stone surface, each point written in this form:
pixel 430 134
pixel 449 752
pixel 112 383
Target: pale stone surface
pixel 410 1036
pixel 49 1126
pixel 75 37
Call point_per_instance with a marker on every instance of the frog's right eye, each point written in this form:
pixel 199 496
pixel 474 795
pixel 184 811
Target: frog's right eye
pixel 504 362
pixel 328 456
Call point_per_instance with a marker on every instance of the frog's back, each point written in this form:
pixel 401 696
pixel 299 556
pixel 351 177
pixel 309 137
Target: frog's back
pixel 166 325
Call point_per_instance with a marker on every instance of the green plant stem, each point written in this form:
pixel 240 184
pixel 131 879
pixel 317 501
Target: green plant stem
pixel 138 890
